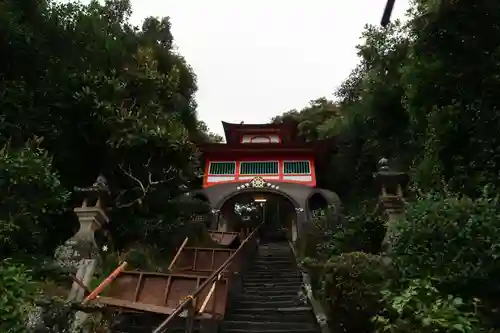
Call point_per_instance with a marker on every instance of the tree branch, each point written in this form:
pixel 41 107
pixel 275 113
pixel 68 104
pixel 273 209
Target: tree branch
pixel 142 187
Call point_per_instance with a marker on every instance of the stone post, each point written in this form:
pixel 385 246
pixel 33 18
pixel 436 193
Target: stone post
pixel 80 253
pixel 300 220
pixel 391 198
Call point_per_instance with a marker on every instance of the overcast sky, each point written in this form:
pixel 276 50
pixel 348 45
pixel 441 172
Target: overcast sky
pixel 259 58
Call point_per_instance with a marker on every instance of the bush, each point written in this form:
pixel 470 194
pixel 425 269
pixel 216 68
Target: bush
pixel 351 294
pixel 453 240
pixel 420 308
pixel 316 233
pixel 314 269
pixel 30 195
pixel 309 240
pixel 356 233
pixel 17 297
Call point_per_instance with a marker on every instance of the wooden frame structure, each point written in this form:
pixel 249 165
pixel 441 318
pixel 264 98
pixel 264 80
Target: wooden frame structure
pixel 196 287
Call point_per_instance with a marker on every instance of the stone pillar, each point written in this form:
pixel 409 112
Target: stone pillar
pixel 300 220
pixel 80 254
pixel 391 198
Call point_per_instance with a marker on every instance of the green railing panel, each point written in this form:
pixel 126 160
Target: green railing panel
pixel 222 168
pixel 259 168
pixel 297 167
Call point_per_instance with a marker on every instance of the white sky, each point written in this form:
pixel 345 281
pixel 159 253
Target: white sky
pixel 259 58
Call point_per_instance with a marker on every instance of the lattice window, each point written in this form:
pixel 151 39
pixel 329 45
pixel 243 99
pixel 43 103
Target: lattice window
pixel 259 168
pixel 297 167
pixel 222 168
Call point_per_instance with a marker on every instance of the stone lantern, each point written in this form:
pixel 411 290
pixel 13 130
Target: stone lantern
pixel 80 253
pixel 391 198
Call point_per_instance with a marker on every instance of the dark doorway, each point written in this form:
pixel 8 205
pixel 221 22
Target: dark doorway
pixel 249 209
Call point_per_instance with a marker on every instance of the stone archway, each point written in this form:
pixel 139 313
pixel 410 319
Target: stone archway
pixel 275 208
pixel 297 194
pixel 321 204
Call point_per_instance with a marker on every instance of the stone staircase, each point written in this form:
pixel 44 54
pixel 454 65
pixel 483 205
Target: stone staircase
pixel 271 300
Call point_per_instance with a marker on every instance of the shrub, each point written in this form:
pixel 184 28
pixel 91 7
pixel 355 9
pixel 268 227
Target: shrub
pixel 352 284
pixel 309 240
pixel 30 194
pixel 314 269
pixel 358 233
pixel 420 308
pixel 324 239
pixel 454 240
pixel 17 296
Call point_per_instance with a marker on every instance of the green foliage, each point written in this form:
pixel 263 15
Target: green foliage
pixel 30 195
pixel 424 96
pixel 313 239
pixel 449 89
pixel 16 299
pixel 106 97
pixel 357 233
pixel 352 284
pixel 309 240
pixel 454 240
pixel 330 235
pixel 420 308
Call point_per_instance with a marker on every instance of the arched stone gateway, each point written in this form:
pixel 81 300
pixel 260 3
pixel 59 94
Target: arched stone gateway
pixel 302 199
pixel 281 166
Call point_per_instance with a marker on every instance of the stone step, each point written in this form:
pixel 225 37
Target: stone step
pixel 270 300
pixel 264 330
pixel 271 284
pixel 272 291
pixel 275 257
pixel 275 304
pixel 277 274
pixel 274 254
pixel 270 287
pixel 266 297
pixel 270 270
pixel 272 279
pixel 273 268
pixel 297 310
pixel 304 316
pixel 260 325
pixel 274 265
pixel 264 278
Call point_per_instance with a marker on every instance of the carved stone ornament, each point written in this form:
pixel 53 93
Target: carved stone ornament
pixel 258 182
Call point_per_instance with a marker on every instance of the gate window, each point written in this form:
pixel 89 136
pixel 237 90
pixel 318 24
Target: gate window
pixel 296 167
pixel 222 168
pixel 259 168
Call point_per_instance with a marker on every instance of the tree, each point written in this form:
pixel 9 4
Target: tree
pixel 107 98
pixel 450 80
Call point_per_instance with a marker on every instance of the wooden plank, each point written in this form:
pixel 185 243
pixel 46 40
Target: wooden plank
pixel 178 253
pixel 138 287
pixel 194 258
pixel 224 238
pixel 167 290
pixel 213 261
pixel 140 306
pixel 157 274
pixel 214 304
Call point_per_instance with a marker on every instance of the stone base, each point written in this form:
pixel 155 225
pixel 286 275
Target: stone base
pixel 96 214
